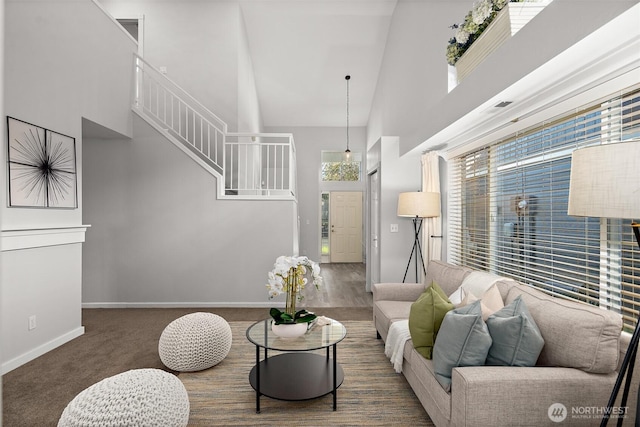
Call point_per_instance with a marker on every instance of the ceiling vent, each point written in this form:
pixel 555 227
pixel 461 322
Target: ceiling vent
pixel 503 104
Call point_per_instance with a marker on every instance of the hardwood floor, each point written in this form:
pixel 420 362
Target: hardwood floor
pixel 343 286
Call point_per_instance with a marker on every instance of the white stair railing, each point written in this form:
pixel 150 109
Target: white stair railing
pixel 179 114
pixel 260 164
pixel 247 165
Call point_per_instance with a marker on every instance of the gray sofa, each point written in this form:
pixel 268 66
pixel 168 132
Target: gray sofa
pixel 577 367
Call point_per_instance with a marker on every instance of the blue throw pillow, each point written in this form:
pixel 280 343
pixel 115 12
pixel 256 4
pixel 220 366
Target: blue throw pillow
pixel 463 340
pixel 517 341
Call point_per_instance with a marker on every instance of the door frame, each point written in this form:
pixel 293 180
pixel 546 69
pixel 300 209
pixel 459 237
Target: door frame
pixel 372 220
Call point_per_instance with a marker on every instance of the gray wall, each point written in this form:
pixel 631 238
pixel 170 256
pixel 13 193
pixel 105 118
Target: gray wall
pixel 414 72
pixel 160 236
pixel 397 175
pixel 203 46
pixel 49 82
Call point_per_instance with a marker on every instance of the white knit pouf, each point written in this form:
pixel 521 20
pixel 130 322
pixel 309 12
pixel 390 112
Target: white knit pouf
pixel 140 397
pixel 195 342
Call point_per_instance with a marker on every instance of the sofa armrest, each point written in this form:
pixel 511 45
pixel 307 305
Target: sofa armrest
pixel 396 291
pixel 506 396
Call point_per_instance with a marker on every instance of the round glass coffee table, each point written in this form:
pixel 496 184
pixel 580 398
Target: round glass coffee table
pixel 296 373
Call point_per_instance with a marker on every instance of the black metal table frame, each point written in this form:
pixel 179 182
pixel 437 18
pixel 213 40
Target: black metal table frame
pixel 290 355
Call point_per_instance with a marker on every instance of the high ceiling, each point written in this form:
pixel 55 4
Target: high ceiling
pixel 301 51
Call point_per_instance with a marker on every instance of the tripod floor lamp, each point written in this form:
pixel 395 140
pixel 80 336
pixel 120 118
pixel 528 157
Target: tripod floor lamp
pixel 418 205
pixel 605 183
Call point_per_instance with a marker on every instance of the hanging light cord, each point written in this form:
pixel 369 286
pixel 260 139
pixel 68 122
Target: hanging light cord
pixel 347 78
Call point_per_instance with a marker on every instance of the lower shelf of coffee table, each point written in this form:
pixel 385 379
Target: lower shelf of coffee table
pixel 296 376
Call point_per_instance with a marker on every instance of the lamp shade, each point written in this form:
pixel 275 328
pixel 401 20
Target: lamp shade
pixel 605 181
pixel 420 204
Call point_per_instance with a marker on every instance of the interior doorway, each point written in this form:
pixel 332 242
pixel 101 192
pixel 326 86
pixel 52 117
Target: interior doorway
pixel 344 226
pixel 135 27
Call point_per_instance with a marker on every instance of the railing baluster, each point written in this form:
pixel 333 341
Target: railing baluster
pixel 209 141
pixel 193 133
pixel 268 166
pixel 281 169
pixel 247 186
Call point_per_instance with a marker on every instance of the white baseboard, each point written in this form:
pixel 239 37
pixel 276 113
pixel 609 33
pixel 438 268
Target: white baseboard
pixel 14 363
pixel 181 304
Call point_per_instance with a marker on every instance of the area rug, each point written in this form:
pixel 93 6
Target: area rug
pixel 371 394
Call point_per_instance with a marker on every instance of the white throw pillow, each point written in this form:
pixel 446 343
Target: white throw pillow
pixel 490 302
pixel 477 283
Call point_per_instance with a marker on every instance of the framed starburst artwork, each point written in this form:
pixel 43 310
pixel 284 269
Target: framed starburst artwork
pixel 42 167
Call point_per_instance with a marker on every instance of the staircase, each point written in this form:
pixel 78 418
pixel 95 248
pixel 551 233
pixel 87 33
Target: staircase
pixel 247 166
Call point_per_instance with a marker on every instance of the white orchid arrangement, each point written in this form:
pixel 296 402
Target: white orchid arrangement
pixel 289 276
pixel 475 22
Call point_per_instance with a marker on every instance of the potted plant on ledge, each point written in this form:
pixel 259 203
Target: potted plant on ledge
pixel 487 26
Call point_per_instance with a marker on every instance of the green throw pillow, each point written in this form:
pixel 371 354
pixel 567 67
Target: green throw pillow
pixel 426 317
pixel 517 341
pixel 463 340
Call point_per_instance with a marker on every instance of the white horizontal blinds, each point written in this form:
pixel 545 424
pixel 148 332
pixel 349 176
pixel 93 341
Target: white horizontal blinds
pixel 540 244
pixel 455 168
pixel 469 209
pixel 509 210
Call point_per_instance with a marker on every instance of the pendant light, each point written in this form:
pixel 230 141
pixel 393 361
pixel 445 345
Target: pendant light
pixel 347 152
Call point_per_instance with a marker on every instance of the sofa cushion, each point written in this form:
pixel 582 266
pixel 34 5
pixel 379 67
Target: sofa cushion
pixel 517 341
pixel 490 301
pixel 425 318
pixel 576 335
pixel 385 312
pixel 463 340
pixel 447 276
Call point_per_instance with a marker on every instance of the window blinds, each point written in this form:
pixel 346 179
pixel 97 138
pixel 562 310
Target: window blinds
pixel 508 210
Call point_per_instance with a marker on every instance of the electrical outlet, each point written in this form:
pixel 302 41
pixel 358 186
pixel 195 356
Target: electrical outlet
pixel 394 228
pixel 32 322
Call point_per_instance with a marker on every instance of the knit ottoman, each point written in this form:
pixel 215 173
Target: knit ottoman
pixel 140 397
pixel 195 342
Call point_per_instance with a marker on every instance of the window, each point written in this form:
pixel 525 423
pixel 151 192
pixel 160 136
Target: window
pixel 324 224
pixel 336 167
pixel 509 211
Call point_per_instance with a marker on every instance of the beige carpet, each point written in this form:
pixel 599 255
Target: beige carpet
pixel 372 393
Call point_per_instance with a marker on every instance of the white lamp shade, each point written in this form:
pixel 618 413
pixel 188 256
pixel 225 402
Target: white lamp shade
pixel 605 181
pixel 420 204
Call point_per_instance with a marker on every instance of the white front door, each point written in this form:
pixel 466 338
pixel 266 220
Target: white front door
pixel 346 226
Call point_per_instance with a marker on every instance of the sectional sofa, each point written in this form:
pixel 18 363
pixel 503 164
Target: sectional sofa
pixel 570 383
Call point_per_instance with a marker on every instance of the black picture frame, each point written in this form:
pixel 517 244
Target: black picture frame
pixel 41 167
